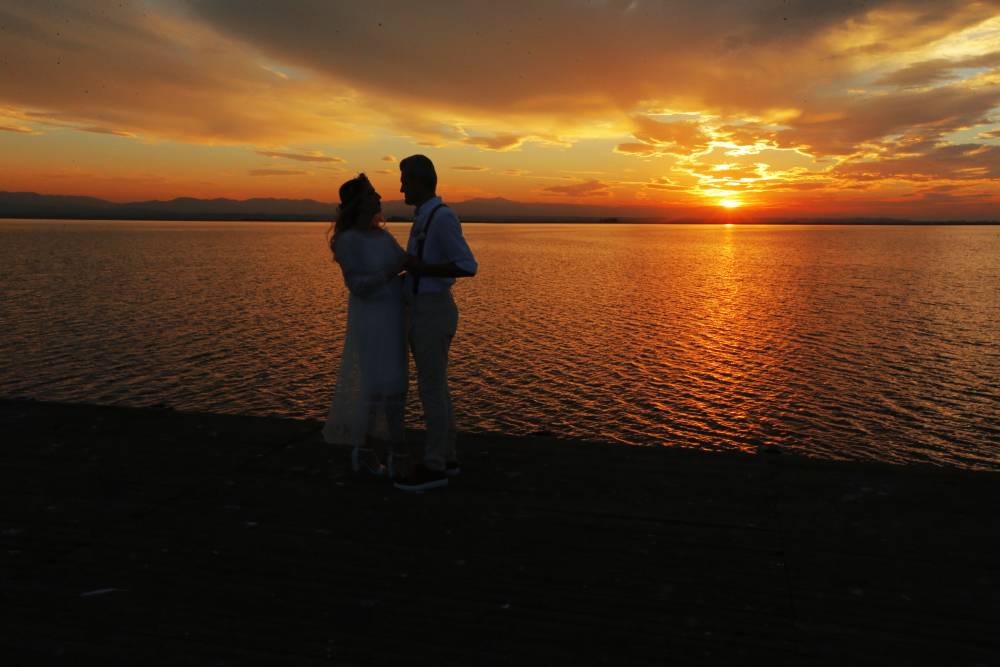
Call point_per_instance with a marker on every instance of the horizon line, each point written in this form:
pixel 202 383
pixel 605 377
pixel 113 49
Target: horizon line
pixel 634 213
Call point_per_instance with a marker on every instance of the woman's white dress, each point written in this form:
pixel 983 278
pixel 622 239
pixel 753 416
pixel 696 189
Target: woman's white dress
pixel 371 387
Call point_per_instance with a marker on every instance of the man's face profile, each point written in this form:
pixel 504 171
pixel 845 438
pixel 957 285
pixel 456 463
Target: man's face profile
pixel 408 187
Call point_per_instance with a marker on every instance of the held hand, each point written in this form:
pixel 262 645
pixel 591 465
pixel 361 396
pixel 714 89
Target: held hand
pixel 413 264
pixel 396 269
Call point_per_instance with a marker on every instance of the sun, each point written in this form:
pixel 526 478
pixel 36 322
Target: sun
pixel 730 203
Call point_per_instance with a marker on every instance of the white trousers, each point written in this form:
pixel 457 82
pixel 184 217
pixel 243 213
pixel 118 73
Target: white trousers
pixel 431 323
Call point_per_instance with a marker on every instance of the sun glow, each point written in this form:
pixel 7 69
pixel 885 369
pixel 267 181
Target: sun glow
pixel 887 109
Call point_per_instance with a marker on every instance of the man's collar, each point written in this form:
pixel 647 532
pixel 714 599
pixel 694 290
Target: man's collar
pixel 430 203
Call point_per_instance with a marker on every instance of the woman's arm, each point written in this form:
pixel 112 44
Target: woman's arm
pixel 359 280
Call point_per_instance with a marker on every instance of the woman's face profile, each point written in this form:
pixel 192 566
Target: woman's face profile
pixel 372 207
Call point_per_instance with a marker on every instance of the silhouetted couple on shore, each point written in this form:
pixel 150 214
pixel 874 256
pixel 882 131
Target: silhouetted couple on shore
pixel 398 300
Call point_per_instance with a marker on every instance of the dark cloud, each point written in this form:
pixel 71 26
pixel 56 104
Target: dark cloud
pixel 936 70
pixel 958 162
pixel 264 73
pixel 587 57
pixel 144 70
pixel 840 127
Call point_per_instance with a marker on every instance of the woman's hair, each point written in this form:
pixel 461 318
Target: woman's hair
pixel 352 196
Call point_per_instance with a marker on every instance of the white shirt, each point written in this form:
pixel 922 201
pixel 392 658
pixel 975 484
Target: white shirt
pixel 444 243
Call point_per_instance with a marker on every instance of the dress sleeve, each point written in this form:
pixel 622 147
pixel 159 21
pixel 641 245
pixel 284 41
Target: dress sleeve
pixel 350 255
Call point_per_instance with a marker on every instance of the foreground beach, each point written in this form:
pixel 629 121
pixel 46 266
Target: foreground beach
pixel 142 536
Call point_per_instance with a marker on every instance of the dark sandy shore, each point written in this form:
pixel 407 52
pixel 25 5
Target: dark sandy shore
pixel 140 537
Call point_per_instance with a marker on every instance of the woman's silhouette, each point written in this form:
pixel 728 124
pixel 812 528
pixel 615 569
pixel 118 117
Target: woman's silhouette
pixel 368 402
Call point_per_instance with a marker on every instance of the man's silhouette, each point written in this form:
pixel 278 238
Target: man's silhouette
pixel 436 254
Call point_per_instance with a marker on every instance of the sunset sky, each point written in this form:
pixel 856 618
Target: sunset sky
pixel 850 108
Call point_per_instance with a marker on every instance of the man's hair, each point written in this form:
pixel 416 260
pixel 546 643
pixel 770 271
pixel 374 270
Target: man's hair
pixel 421 168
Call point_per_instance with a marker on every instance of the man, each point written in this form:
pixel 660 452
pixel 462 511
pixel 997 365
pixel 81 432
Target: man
pixel 437 254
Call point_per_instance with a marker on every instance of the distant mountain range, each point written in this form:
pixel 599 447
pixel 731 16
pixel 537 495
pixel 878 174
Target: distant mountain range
pixel 34 205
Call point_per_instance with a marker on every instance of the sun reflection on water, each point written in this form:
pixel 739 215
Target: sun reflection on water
pixel 838 342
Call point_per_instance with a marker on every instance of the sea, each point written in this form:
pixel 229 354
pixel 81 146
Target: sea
pixel 848 342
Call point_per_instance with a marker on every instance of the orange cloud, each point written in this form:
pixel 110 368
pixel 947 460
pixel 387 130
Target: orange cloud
pixel 277 172
pixel 747 134
pixel 958 162
pixel 642 150
pixel 685 135
pixel 150 73
pixel 591 188
pixel 664 183
pixel 302 157
pixel 94 129
pixel 664 137
pixel 777 98
pixel 503 142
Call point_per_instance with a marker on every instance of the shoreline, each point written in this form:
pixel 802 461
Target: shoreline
pixel 133 534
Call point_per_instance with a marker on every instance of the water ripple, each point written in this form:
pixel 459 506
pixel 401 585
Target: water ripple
pixel 849 343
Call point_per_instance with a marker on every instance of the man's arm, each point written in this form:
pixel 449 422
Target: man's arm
pixel 462 264
pixel 419 267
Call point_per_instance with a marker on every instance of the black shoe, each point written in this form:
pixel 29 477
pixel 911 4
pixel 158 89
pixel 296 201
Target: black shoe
pixel 453 468
pixel 422 478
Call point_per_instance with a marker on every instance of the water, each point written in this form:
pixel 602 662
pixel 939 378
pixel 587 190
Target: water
pixel 838 342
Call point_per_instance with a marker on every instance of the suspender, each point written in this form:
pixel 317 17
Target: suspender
pixel 421 242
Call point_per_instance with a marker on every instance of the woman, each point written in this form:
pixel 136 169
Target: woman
pixel 367 408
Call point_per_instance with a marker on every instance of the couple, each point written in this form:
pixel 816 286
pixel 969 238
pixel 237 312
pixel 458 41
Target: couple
pixel 396 298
